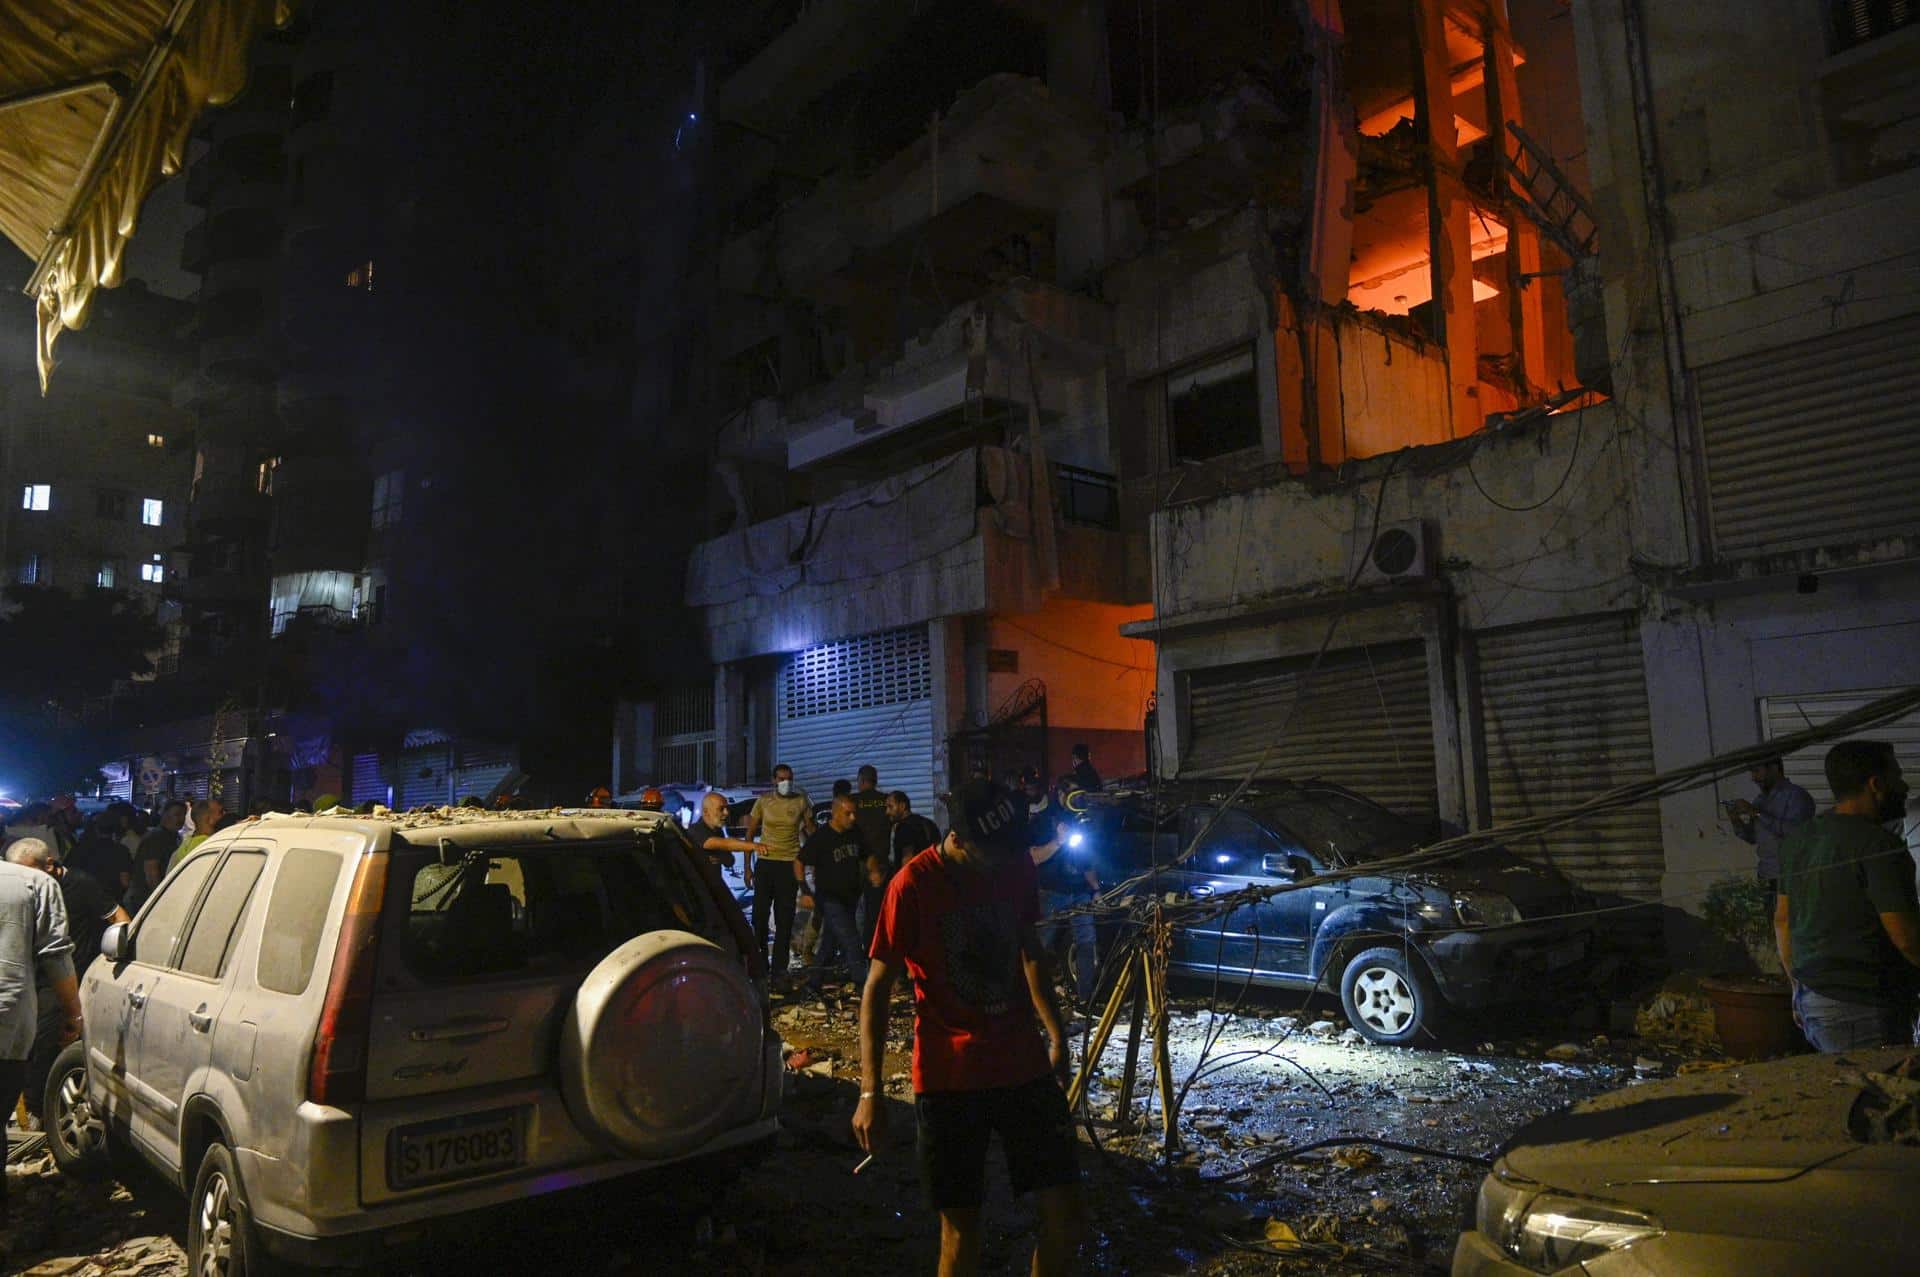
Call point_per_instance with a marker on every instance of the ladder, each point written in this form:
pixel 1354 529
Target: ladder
pixel 1548 198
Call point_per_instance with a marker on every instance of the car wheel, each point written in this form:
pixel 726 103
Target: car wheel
pixel 1389 997
pixel 220 1239
pixel 76 1130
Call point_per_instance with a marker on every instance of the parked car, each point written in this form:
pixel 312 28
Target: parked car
pixel 1400 949
pixel 336 1032
pixel 1802 1165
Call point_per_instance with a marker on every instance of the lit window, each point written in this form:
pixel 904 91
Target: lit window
pixel 36 496
pixel 107 576
pixel 386 499
pixel 153 572
pixel 27 570
pixel 361 276
pixel 156 441
pixel 153 511
pixel 265 481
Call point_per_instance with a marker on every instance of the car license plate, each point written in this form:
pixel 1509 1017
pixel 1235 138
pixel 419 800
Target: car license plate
pixel 458 1147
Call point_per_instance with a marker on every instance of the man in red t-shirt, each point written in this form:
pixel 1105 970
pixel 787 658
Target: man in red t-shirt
pixel 960 919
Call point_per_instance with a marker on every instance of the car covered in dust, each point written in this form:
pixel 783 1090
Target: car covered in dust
pixel 335 1033
pixel 1803 1165
pixel 1400 948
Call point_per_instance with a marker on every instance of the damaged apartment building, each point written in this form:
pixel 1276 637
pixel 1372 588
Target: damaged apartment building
pixel 1476 404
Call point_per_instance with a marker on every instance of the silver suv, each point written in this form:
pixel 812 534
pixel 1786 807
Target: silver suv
pixel 334 1032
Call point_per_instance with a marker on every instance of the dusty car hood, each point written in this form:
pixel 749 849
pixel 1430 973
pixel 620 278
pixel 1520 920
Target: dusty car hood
pixel 1749 1124
pixel 1534 889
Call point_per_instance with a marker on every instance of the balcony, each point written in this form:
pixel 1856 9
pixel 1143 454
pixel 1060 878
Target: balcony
pixel 958 535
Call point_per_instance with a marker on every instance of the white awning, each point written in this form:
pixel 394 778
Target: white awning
pixel 96 101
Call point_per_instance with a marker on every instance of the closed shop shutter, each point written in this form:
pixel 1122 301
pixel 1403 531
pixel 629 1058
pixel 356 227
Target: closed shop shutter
pixel 121 789
pixel 369 780
pixel 481 767
pixel 1366 722
pixel 191 785
pixel 864 700
pixel 1784 715
pixel 1790 433
pixel 424 776
pixel 1564 708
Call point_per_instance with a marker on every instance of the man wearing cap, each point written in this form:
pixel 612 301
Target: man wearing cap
pixel 1067 881
pixel 959 919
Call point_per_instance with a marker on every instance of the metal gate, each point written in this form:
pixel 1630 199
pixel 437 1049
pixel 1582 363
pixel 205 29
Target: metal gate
pixel 369 783
pixel 862 700
pixel 1365 722
pixel 1784 715
pixel 1564 712
pixel 425 772
pixel 481 767
pixel 1791 432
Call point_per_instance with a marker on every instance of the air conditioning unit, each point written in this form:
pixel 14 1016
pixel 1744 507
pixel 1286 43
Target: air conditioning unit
pixel 1399 552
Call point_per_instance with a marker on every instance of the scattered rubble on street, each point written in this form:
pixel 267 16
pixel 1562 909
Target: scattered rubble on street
pixel 1272 1083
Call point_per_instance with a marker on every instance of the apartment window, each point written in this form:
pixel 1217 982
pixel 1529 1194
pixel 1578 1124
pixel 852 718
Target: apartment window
pixel 28 570
pixel 153 571
pixel 153 511
pixel 1213 408
pixel 265 480
pixel 387 490
pixel 156 441
pixel 107 575
pixel 361 276
pixel 36 496
pixel 1858 21
pixel 109 504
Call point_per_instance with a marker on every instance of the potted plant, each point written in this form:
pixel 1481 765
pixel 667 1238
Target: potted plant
pixel 1752 1012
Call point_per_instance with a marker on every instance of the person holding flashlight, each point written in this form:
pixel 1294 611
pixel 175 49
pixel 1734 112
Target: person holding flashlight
pixel 1064 864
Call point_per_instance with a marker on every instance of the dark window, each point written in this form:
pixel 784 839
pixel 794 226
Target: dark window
pixel 1234 845
pixel 165 918
pixel 538 912
pixel 296 915
pixel 108 504
pixel 1858 21
pixel 1213 408
pixel 211 942
pixel 312 98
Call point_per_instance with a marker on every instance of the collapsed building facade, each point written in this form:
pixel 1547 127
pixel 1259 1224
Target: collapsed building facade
pixel 1080 374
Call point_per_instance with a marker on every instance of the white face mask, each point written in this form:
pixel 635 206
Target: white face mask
pixel 783 787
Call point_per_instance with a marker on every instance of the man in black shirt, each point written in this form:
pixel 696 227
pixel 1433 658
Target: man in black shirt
pixel 1067 879
pixel 1084 776
pixel 908 832
pixel 836 855
pixel 870 810
pixel 709 833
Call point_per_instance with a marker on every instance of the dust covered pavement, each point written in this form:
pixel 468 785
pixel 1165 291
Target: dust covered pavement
pixel 1273 1082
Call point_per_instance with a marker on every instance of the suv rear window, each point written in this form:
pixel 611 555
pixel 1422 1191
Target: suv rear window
pixel 531 911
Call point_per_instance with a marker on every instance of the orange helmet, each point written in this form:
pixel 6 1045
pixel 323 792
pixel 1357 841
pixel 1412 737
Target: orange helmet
pixel 653 800
pixel 600 797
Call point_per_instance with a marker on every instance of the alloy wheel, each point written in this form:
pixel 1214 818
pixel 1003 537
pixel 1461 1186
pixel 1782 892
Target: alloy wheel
pixel 216 1228
pixel 78 1127
pixel 1385 1000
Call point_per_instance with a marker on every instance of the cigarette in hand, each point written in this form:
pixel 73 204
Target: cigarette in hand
pixel 864 1163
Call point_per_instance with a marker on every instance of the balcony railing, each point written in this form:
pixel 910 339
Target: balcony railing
pixel 1086 496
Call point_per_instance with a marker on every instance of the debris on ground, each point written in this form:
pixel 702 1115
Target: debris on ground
pixel 1679 1016
pixel 1888 1111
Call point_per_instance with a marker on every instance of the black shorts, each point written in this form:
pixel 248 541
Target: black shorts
pixel 1036 1133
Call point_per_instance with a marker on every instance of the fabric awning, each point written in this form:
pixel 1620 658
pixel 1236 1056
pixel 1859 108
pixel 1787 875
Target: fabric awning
pixel 96 101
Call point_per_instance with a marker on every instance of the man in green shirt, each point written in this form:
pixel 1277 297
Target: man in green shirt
pixel 779 821
pixel 1846 920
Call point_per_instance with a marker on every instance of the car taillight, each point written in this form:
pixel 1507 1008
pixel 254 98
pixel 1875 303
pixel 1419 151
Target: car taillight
pixel 338 1074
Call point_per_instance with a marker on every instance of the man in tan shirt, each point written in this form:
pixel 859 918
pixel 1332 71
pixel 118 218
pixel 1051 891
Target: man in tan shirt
pixel 779 822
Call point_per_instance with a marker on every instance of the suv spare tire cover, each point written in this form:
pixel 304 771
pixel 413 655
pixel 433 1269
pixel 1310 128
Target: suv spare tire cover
pixel 661 1049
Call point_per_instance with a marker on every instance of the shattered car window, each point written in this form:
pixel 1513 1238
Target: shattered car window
pixel 1340 828
pixel 520 912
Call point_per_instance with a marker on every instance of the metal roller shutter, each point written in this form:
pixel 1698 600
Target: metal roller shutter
pixel 1366 722
pixel 1790 432
pixel 481 767
pixel 424 776
pixel 1784 715
pixel 864 700
pixel 1564 708
pixel 192 785
pixel 369 780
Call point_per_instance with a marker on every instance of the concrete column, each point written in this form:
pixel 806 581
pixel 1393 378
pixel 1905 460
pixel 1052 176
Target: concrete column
pixel 946 639
pixel 1449 213
pixel 1523 238
pixel 1443 693
pixel 730 723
